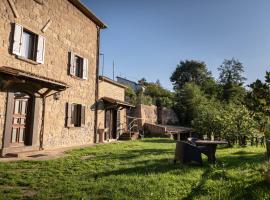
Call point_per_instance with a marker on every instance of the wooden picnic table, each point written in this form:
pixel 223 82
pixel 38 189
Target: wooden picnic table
pixel 211 148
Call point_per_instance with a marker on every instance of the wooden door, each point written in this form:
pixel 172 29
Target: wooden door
pixel 114 124
pixel 20 119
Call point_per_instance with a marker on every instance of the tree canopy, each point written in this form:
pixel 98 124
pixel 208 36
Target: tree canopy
pixel 231 72
pixel 190 71
pixel 231 80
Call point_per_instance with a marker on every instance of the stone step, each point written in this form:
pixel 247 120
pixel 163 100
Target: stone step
pixel 23 154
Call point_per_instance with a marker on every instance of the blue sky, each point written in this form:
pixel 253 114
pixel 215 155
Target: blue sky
pixel 148 38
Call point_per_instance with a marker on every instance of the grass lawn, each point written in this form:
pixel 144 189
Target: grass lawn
pixel 137 170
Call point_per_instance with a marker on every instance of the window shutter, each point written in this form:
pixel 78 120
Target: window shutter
pixel 85 69
pixel 82 115
pixel 72 64
pixel 17 40
pixel 40 49
pixel 68 115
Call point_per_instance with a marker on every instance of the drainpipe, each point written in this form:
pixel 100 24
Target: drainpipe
pixel 97 86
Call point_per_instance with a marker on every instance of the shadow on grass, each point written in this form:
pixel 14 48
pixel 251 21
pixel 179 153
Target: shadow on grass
pixel 243 153
pixel 254 191
pixel 158 140
pixel 150 167
pixel 130 155
pixel 198 189
pixel 242 159
pixel 242 191
pixel 144 163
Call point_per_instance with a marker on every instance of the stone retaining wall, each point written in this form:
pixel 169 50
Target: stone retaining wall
pixel 152 115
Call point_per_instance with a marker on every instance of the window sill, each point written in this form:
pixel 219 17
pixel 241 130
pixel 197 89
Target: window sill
pixel 75 127
pixel 78 78
pixel 27 60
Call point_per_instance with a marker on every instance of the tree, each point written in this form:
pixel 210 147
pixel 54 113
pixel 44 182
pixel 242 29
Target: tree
pixel 258 98
pixel 258 101
pixel 161 96
pixel 142 82
pixel 229 121
pixel 187 100
pixel 190 71
pixel 231 80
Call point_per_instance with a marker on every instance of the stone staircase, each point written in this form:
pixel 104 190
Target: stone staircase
pixel 133 131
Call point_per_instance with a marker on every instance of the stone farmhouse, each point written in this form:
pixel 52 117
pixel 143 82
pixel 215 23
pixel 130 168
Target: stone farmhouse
pixel 49 78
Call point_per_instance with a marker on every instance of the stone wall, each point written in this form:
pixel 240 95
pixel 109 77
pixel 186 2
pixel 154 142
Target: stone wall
pixel 3 99
pixel 70 30
pixel 110 90
pixel 154 130
pixel 168 117
pixel 152 115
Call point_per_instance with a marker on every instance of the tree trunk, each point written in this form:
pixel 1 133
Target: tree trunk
pixel 268 147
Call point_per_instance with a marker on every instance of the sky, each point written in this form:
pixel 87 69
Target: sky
pixel 148 38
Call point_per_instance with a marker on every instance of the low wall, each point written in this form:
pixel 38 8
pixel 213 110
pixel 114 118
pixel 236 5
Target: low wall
pixel 152 115
pixel 155 130
pixel 168 116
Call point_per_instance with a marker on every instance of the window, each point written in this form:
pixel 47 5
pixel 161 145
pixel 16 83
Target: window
pixel 78 66
pixel 75 115
pixel 28 45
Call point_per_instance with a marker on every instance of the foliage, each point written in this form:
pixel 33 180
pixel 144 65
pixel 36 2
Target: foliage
pixel 190 71
pixel 161 96
pixel 144 99
pixel 187 101
pixel 154 94
pixel 142 82
pixel 136 170
pixel 225 108
pixel 192 83
pixel 228 121
pixel 130 95
pixel 231 72
pixel 258 101
pixel 210 119
pixel 231 80
pixel 258 98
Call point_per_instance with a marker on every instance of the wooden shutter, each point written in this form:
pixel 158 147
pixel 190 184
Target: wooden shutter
pixel 82 115
pixel 17 40
pixel 72 68
pixel 40 49
pixel 68 115
pixel 85 69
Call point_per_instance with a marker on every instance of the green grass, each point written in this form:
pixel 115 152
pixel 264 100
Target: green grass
pixel 137 170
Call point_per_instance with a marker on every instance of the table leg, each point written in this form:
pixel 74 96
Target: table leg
pixel 212 153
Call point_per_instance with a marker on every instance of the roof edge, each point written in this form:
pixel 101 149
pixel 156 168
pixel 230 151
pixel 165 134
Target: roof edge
pixel 104 78
pixel 88 13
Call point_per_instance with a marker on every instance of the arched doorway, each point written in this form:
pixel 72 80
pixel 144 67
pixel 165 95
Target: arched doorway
pixel 21 120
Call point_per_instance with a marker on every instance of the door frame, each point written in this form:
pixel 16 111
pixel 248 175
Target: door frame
pixel 113 123
pixel 27 136
pixel 32 126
